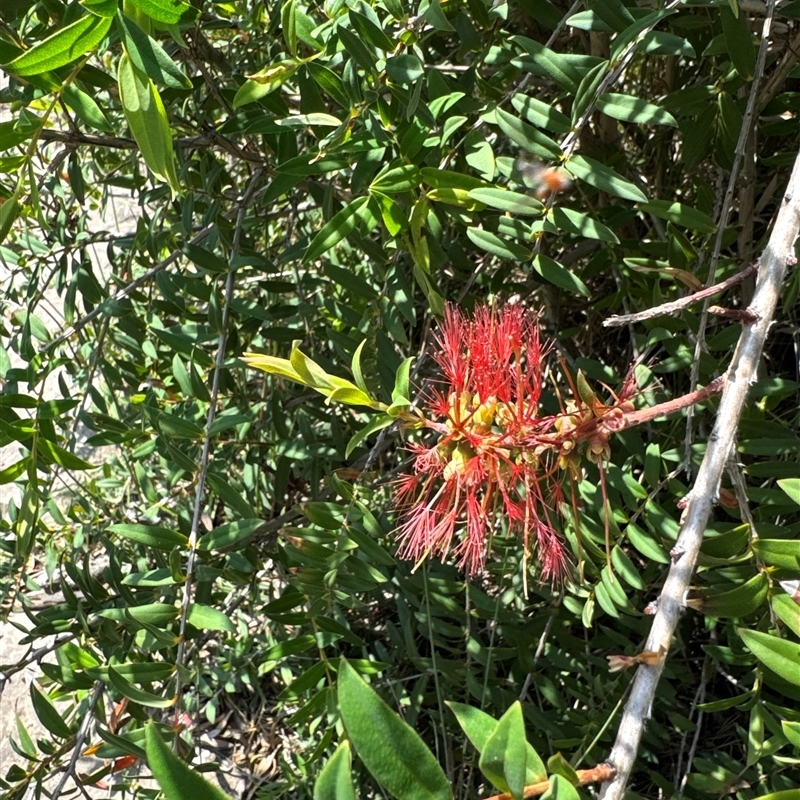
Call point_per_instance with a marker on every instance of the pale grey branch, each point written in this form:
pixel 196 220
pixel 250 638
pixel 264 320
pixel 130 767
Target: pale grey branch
pixel 773 264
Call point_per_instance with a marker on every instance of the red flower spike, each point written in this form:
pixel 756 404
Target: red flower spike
pixel 483 469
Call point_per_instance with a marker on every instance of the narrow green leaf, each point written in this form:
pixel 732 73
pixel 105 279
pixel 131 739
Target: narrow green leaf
pixel 391 750
pixel 337 228
pixel 736 602
pixel 628 108
pixel 150 535
pixel 539 113
pixel 209 618
pixel 506 200
pixel 739 42
pixel 147 120
pixel 150 57
pixel 502 248
pixel 132 692
pixel 86 109
pixel 168 12
pixel 264 82
pixel 231 536
pixel 289 25
pixel 580 224
pixel 604 178
pixel 178 781
pixel 680 214
pixel 526 136
pixel 150 614
pixel 779 655
pixel 10 209
pixel 334 781
pixel 555 273
pixel 63 47
pixel 48 714
pixel 783 553
pixel 376 424
pixel 62 457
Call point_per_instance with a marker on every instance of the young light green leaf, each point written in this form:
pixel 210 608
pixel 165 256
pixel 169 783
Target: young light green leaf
pixel 604 178
pixel 63 47
pixel 265 81
pixel 791 486
pixel 779 655
pixel 560 789
pixel 178 781
pixel 335 780
pixel 503 758
pixel 86 109
pixel 391 750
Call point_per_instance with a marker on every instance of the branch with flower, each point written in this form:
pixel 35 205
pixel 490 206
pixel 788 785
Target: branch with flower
pixel 491 459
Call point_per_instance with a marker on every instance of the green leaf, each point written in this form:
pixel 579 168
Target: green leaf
pixel 680 214
pixel 264 82
pixel 168 12
pixel 479 726
pixel 627 108
pixel 739 42
pixel 526 136
pixel 376 424
pixel 61 456
pixel 86 109
pixel 646 544
pixel 604 178
pixel 334 781
pixel 150 57
pixel 541 114
pixel 558 275
pixel 737 602
pixel 779 655
pixel 137 695
pixel 580 224
pixel 340 225
pixel 147 120
pixel 791 486
pixel 502 248
pixel 48 714
pixel 397 180
pixel 506 200
pixel 404 68
pixel 550 63
pixel 10 209
pixel 391 750
pixel 784 553
pixel 209 618
pixel 63 47
pixel 231 536
pixel 504 754
pixel 370 32
pixel 289 25
pixel 177 780
pixel 150 535
pixel 560 789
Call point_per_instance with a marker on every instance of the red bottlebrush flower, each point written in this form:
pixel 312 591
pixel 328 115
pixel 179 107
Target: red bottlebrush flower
pixel 484 468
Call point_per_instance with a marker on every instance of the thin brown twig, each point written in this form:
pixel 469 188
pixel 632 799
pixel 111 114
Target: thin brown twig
pixel 778 254
pixel 598 774
pixel 682 302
